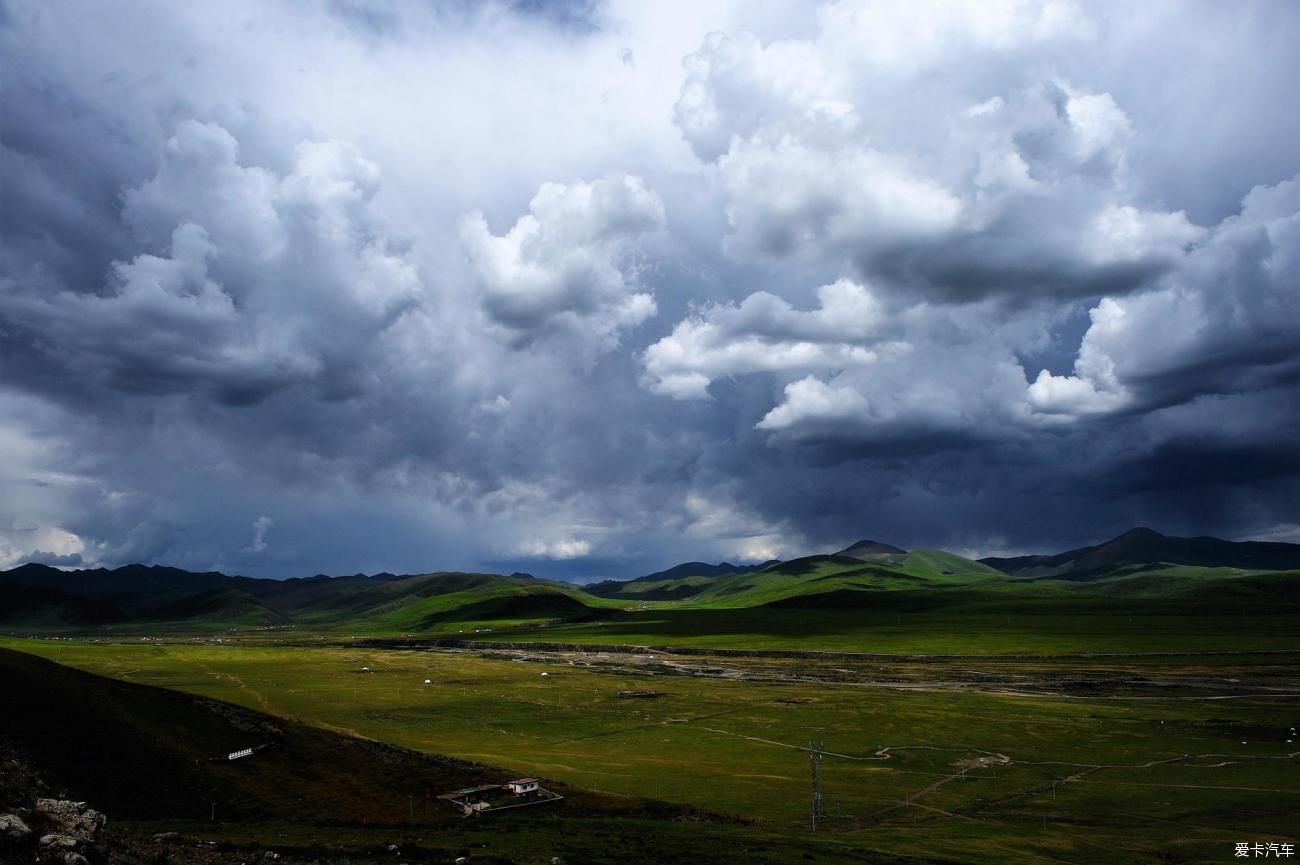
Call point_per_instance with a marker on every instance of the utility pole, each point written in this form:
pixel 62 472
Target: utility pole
pixel 815 758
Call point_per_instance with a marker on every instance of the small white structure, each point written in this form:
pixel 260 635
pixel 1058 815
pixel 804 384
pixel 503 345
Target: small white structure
pixel 240 754
pixel 365 669
pixel 520 786
pixel 428 681
pixel 491 798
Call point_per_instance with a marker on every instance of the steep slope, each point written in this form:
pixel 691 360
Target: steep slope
pixel 152 751
pixel 1142 548
pixel 149 753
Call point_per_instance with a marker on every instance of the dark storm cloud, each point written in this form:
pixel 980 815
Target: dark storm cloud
pixel 421 286
pixel 59 210
pixel 55 560
pixel 1200 465
pixel 972 267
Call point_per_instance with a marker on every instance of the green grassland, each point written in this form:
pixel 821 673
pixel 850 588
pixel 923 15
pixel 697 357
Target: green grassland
pixel 945 775
pixel 1257 613
pixel 809 612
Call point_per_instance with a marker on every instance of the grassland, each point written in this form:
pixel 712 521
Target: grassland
pixel 1158 771
pixel 951 622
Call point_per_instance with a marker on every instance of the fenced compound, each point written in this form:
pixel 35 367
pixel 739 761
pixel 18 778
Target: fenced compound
pixel 493 798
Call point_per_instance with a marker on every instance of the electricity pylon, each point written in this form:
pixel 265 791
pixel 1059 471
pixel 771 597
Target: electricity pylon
pixel 815 758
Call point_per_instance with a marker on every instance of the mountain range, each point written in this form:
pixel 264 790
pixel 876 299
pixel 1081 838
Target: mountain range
pixel 1144 549
pixel 1140 562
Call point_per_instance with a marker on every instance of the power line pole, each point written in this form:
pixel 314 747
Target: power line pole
pixel 815 758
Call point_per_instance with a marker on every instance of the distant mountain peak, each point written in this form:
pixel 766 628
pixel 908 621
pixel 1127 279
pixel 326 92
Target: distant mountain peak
pixel 1139 532
pixel 866 548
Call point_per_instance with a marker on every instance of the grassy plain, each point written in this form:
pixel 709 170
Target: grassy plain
pixel 907 623
pixel 1161 774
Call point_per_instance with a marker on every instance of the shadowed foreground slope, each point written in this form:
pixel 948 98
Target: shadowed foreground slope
pixel 144 753
pixel 141 755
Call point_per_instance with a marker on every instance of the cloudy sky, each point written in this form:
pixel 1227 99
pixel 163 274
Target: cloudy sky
pixel 593 288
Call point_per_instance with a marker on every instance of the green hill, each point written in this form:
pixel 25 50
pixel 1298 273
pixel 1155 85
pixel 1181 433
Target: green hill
pixel 827 576
pixel 675 583
pixel 135 596
pixel 1140 563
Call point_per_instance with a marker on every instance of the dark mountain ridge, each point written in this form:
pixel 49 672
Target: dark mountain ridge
pixel 866 548
pixel 35 596
pixel 1146 547
pixel 39 595
pixel 627 588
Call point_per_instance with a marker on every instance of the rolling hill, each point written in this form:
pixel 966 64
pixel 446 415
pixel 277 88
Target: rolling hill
pixel 1138 563
pixel 874 568
pixel 675 583
pixel 41 597
pixel 824 576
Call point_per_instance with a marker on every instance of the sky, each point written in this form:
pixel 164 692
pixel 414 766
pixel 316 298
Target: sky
pixel 586 289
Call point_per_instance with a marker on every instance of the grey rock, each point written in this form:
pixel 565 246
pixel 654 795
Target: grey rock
pixel 52 843
pixel 72 818
pixel 13 829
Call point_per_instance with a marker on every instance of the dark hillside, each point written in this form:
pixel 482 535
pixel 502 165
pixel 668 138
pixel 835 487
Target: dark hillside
pixel 46 607
pixel 144 753
pixel 866 549
pixel 809 564
pixel 1147 547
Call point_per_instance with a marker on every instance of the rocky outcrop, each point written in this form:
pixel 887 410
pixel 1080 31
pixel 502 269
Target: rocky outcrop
pixel 13 830
pixel 72 819
pixel 55 832
pixel 60 850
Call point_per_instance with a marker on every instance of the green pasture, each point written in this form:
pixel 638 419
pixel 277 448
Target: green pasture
pixel 1011 626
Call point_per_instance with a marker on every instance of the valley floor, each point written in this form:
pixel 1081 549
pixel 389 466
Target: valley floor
pixel 1000 760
